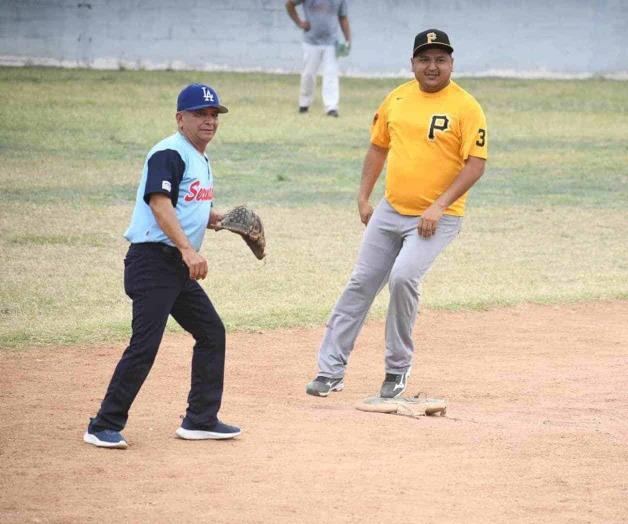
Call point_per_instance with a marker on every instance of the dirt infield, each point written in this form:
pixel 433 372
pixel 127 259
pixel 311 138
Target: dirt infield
pixel 536 430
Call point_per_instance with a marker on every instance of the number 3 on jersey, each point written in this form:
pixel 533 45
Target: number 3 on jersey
pixel 481 138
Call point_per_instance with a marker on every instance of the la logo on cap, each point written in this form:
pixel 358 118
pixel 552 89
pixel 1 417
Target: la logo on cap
pixel 199 96
pixel 207 95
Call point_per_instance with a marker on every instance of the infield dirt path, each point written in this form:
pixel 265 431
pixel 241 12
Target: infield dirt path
pixel 536 430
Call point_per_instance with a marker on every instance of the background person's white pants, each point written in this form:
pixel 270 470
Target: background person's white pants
pixel 313 57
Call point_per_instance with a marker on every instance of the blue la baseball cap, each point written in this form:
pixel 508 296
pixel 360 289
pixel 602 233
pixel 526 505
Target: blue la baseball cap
pixel 199 96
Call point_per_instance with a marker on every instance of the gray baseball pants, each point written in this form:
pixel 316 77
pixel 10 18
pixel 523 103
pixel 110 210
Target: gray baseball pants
pixel 392 251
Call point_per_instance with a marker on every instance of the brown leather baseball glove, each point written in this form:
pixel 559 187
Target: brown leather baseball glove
pixel 246 223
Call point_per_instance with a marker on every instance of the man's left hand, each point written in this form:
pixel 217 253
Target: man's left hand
pixel 429 220
pixel 214 220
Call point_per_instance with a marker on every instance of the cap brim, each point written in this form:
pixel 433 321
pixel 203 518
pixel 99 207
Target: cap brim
pixel 221 109
pixel 424 47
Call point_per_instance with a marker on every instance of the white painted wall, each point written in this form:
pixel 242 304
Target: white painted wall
pixel 535 38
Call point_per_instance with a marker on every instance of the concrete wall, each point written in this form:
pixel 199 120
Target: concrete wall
pixel 532 38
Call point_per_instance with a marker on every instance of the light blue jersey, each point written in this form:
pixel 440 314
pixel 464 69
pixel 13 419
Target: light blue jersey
pixel 175 168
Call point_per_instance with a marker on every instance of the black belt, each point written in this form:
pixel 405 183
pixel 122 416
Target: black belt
pixel 159 246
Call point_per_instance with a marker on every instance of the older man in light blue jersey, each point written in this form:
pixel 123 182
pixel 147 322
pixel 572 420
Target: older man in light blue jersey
pixel 173 209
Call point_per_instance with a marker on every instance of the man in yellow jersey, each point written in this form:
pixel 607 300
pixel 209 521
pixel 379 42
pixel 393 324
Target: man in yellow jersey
pixel 432 134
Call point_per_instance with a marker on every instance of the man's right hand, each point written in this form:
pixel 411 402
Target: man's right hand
pixel 305 25
pixel 195 263
pixel 366 210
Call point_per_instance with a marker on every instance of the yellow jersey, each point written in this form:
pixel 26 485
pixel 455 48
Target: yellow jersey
pixel 429 136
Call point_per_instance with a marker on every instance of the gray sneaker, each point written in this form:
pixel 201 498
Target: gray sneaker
pixel 323 386
pixel 394 385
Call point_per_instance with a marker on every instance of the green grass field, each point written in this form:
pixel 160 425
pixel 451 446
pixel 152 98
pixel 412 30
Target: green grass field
pixel 547 222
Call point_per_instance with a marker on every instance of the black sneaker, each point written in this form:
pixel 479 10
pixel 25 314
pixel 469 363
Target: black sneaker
pixel 394 385
pixel 332 112
pixel 303 109
pixel 323 386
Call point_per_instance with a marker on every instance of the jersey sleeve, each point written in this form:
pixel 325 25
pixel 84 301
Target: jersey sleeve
pixel 342 8
pixel 474 132
pixel 164 174
pixel 379 127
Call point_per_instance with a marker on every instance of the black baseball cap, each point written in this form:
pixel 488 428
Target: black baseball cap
pixel 431 38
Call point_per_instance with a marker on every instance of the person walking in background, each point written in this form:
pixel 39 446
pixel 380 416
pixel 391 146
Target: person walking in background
pixel 320 38
pixel 432 133
pixel 173 209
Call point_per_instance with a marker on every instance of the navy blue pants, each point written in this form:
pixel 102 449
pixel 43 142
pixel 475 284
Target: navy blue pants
pixel 158 282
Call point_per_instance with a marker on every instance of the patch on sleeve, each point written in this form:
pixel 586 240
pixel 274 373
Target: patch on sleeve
pixel 167 186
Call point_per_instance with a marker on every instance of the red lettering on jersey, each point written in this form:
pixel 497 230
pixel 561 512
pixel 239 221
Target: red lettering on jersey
pixel 199 193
